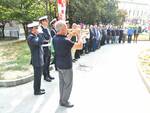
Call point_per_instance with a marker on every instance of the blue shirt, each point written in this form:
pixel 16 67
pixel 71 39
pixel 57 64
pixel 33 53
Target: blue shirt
pixel 130 31
pixel 62 47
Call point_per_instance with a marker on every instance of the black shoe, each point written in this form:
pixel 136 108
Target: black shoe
pixel 47 79
pixel 39 93
pixel 74 60
pixel 42 89
pixel 50 77
pixel 68 105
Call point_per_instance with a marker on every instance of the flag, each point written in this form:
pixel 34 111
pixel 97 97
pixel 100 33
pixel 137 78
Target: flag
pixel 61 9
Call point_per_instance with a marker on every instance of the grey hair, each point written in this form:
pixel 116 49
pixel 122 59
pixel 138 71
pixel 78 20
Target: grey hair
pixel 59 25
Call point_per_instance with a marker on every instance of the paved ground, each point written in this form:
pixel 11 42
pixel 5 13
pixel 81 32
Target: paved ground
pixel 105 81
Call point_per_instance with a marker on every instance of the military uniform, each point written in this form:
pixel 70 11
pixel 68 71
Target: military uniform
pixel 47 52
pixel 37 61
pixel 53 33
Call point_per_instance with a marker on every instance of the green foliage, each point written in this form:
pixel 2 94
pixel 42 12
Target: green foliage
pixel 5 13
pixel 23 11
pixel 91 11
pixel 87 11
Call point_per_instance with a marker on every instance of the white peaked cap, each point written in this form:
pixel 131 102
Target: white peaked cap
pixel 33 24
pixel 43 17
pixel 54 20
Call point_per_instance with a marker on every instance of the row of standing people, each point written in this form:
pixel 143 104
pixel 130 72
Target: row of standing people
pixel 99 36
pixel 113 35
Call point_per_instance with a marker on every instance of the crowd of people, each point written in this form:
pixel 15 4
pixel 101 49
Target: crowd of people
pixel 66 44
pixel 95 36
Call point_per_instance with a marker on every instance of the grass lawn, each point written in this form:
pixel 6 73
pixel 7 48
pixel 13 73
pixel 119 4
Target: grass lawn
pixel 14 57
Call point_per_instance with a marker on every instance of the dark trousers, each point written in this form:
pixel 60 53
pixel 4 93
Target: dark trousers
pixel 98 45
pixel 77 54
pixel 94 44
pixel 47 59
pixel 90 45
pixel 129 38
pixel 54 62
pixel 86 47
pixel 120 38
pixel 103 40
pixel 37 78
pixel 107 39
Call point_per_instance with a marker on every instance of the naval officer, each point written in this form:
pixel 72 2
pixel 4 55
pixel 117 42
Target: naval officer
pixel 47 52
pixel 35 44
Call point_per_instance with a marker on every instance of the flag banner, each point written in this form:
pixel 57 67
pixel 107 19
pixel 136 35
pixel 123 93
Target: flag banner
pixel 61 9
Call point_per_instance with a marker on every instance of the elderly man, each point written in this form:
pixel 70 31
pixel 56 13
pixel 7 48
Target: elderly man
pixel 47 53
pixel 62 46
pixel 35 44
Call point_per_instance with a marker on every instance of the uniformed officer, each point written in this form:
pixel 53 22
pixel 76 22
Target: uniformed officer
pixel 35 44
pixel 47 52
pixel 53 31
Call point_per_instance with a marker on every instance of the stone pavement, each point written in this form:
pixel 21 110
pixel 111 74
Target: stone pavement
pixel 105 81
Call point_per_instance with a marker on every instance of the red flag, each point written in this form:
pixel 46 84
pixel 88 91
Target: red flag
pixel 59 1
pixel 62 9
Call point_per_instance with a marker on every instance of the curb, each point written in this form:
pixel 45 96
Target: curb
pixel 10 83
pixel 20 81
pixel 144 77
pixel 13 41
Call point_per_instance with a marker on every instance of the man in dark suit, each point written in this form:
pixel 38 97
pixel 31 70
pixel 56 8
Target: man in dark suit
pixel 35 44
pixel 91 38
pixel 47 52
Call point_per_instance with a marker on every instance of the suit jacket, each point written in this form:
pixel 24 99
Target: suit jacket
pixel 35 45
pixel 91 33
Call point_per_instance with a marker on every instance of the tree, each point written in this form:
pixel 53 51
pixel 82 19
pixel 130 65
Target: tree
pixel 121 15
pixel 23 11
pixel 86 11
pixel 5 16
pixel 26 11
pixel 94 11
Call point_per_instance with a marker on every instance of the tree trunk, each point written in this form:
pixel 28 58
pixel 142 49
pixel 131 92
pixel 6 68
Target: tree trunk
pixel 25 29
pixel 3 27
pixel 3 34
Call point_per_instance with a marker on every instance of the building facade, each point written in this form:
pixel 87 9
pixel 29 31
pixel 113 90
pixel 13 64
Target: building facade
pixel 137 11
